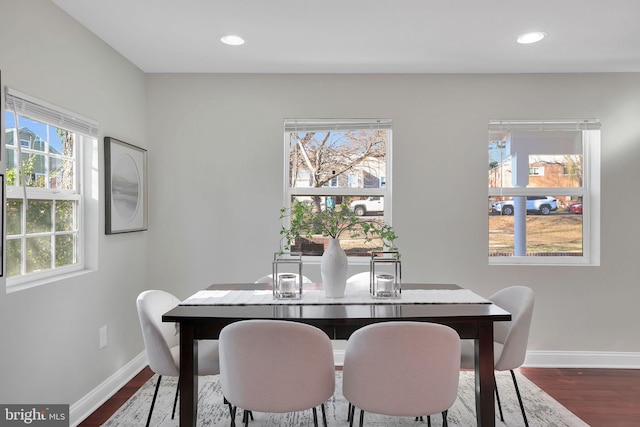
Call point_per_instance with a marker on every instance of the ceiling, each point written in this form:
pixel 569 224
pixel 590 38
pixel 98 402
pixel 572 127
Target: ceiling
pixel 367 36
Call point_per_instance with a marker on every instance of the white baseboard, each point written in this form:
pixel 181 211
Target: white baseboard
pixel 582 359
pixel 92 401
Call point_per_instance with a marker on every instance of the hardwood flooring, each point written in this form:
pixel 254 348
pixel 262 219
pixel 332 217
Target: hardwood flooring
pixel 600 397
pixel 104 412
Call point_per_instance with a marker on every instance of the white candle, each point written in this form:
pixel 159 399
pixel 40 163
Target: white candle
pixel 384 283
pixel 287 285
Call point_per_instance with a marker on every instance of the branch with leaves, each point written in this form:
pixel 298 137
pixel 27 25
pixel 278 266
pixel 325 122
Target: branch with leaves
pixel 306 220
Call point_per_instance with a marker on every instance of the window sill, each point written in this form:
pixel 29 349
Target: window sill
pixel 22 285
pixel 543 261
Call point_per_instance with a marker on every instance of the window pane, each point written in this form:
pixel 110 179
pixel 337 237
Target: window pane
pixel 39 216
pixel 60 142
pixel 12 171
pixel 61 174
pixel 338 159
pixel 553 159
pixel 9 125
pixel 354 242
pixel 65 250
pixel 65 215
pixel 34 166
pixel 33 134
pixel 38 254
pixel 14 216
pixel 14 255
pixel 558 233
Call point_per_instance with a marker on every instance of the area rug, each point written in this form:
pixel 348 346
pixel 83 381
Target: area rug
pixel 542 409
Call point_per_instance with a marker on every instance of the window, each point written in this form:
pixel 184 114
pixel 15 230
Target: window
pixel 44 196
pixel 544 192
pixel 536 171
pixel 333 162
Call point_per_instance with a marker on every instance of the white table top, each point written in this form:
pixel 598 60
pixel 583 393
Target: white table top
pixel 317 297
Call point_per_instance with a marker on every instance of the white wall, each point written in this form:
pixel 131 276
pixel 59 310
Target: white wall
pixel 49 334
pixel 215 163
pixel 221 138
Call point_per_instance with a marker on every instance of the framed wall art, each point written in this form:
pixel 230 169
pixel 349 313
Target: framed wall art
pixel 125 187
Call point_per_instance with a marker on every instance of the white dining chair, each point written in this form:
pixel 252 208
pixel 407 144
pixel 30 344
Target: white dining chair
pixel 510 338
pixel 162 342
pixel 401 369
pixel 276 366
pixel 359 278
pixel 269 278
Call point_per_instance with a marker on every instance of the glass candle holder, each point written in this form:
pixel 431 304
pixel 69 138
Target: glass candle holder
pixel 287 285
pixel 385 275
pixel 287 275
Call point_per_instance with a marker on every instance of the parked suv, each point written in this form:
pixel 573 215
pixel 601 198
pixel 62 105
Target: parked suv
pixel 543 205
pixel 368 205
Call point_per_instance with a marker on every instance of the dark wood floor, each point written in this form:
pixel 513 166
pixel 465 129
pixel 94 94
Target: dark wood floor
pixel 104 412
pixel 600 397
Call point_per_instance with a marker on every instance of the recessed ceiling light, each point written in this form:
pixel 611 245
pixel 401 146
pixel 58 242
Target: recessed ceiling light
pixel 232 40
pixel 529 38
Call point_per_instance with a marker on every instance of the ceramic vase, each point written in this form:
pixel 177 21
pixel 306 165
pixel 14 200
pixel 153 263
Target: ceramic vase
pixel 333 268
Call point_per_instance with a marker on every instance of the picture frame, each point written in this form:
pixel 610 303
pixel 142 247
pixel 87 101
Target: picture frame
pixel 125 187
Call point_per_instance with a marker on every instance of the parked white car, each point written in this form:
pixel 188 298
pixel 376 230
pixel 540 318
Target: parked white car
pixel 543 205
pixel 374 204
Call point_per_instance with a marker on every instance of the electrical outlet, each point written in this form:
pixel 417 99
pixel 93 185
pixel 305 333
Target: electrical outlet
pixel 102 333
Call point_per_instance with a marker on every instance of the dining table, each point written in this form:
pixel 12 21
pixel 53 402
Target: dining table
pixel 206 313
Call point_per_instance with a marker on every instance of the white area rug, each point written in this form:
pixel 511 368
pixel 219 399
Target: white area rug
pixel 542 409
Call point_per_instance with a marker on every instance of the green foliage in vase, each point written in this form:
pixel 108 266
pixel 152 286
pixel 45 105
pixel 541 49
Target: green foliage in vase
pixel 306 220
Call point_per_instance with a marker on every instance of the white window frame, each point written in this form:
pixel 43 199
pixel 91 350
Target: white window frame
pixel 337 125
pixel 85 132
pixel 589 192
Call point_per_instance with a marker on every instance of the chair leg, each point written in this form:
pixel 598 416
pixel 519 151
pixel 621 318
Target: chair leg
pixel 428 420
pixel 153 402
pixel 245 418
pixel 352 414
pixel 175 399
pixel 315 417
pixel 324 416
pixel 232 413
pixel 498 397
pixel 349 412
pixel 515 383
pixel 361 417
pixel 445 422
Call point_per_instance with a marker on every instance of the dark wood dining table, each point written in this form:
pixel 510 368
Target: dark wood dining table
pixel 471 321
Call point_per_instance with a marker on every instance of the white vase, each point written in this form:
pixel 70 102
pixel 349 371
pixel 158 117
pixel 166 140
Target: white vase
pixel 333 268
